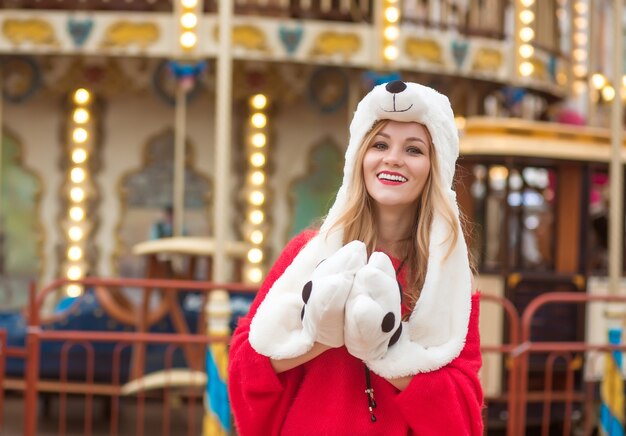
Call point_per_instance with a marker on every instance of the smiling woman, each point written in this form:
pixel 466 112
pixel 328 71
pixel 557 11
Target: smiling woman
pixel 347 295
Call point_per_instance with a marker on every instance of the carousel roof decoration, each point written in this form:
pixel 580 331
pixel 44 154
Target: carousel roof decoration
pixel 454 38
pixel 22 78
pixel 90 5
pixel 170 74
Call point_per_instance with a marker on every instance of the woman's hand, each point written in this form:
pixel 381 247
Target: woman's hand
pixel 282 365
pixel 400 383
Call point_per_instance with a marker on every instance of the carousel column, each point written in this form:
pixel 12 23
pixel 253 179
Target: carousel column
pixel 217 420
pixel 2 255
pixel 616 207
pixel 180 131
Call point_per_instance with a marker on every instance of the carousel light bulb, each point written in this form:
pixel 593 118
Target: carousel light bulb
pixel 392 14
pixel 259 101
pixel 74 291
pixel 391 52
pixel 527 3
pixel 580 70
pixel 74 272
pixel 79 135
pixel 77 175
pixel 598 80
pixel 257 159
pixel 608 93
pixel 255 275
pixel 189 20
pixel 255 255
pixel 391 33
pixel 580 23
pixel 256 217
pixel 257 178
pixel 258 140
pixel 578 87
pixel 75 233
pixel 460 122
pixel 526 50
pixel 526 68
pixel 189 4
pixel 526 34
pixel 258 120
pixel 580 38
pixel 77 213
pixel 79 155
pixel 579 54
pixel 77 194
pixel 256 198
pixel 580 7
pixel 526 16
pixel 188 39
pixel 74 253
pixel 81 116
pixel 256 237
pixel 81 96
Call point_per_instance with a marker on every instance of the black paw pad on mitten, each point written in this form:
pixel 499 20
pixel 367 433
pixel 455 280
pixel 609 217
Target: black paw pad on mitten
pixel 387 325
pixel 306 294
pixel 396 335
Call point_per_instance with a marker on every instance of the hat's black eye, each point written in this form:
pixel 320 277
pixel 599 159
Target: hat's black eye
pixel 396 86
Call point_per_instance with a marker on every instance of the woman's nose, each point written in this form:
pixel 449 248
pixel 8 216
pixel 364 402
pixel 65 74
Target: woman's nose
pixel 392 157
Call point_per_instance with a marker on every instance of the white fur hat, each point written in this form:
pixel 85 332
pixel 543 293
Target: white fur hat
pixel 437 327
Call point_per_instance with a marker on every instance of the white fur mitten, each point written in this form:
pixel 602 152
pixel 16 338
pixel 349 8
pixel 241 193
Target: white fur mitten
pixel 373 310
pixel 326 293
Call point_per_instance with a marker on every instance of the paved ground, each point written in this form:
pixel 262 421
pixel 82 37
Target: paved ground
pixel 48 417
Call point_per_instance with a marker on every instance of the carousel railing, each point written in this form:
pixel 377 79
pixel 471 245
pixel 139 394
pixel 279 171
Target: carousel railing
pixel 574 388
pixel 475 18
pixel 128 377
pixel 508 394
pixel 558 407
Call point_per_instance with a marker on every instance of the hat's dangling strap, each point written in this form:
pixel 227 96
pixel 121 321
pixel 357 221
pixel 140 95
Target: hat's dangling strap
pixel 369 391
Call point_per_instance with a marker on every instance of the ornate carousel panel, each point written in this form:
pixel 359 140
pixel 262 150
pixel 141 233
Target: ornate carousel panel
pixel 20 231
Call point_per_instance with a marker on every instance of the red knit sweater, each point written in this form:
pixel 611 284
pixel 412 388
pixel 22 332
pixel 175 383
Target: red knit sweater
pixel 325 396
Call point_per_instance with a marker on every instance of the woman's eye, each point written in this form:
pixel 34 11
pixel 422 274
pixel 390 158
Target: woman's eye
pixel 379 145
pixel 414 150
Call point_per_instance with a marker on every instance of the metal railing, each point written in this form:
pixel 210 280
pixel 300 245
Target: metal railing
pixel 564 393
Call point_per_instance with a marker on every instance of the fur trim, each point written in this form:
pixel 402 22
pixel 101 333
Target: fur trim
pixel 436 330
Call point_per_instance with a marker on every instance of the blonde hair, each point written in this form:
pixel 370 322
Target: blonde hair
pixel 358 218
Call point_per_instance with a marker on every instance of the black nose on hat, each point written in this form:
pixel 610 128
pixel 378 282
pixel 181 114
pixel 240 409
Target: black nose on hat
pixel 396 86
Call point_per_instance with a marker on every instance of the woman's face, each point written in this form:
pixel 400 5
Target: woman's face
pixel 396 164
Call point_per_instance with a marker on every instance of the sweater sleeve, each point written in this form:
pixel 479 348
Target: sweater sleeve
pixel 260 397
pixel 451 396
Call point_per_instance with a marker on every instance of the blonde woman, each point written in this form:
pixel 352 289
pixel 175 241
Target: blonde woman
pixel 369 326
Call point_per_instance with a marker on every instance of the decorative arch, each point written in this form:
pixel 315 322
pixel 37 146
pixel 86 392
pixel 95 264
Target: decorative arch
pixel 311 195
pixel 146 191
pixel 21 232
